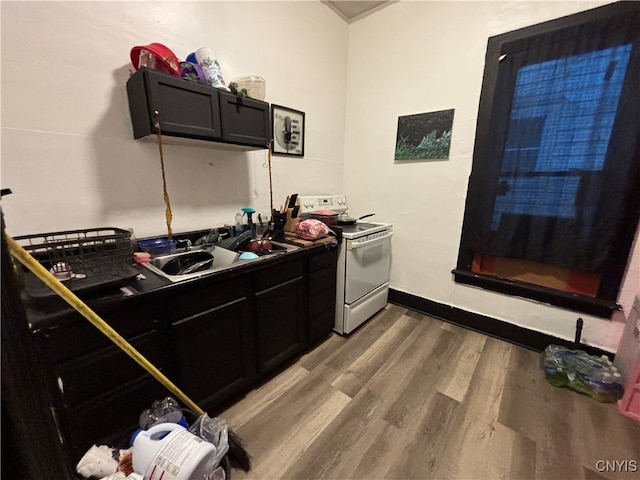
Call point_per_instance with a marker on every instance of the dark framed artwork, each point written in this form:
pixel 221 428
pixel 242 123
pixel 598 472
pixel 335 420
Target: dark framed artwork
pixel 424 136
pixel 287 131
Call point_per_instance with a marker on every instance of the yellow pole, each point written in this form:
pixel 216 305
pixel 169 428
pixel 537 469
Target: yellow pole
pixel 52 282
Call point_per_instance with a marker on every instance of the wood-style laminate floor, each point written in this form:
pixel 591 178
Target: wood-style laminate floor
pixel 411 397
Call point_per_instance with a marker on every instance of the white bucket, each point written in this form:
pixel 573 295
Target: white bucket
pixel 179 455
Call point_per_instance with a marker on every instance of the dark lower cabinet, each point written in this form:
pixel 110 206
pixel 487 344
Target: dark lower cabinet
pixel 279 331
pixel 96 390
pixel 321 289
pixel 89 376
pixel 109 419
pixel 213 356
pixel 212 338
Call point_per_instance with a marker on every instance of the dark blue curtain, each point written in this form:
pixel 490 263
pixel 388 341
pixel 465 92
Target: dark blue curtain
pixel 557 171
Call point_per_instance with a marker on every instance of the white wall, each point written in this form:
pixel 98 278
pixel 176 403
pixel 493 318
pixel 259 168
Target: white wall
pixel 415 57
pixel 69 156
pixel 68 151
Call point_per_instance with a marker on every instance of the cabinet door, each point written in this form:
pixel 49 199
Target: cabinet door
pixel 245 121
pixel 186 109
pixel 213 357
pixel 279 323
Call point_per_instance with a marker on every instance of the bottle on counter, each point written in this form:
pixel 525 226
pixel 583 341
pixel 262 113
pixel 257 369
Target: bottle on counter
pixel 238 228
pixel 250 225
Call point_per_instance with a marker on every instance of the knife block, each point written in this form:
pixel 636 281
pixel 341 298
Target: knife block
pixel 291 223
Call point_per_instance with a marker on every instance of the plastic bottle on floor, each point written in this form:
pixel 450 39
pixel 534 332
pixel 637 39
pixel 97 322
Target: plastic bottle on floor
pixel 166 410
pixel 168 451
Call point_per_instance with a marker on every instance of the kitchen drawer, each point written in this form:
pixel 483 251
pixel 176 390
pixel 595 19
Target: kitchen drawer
pixel 322 301
pixel 111 418
pixel 197 299
pixel 80 337
pixel 98 372
pixel 277 274
pixel 322 280
pixel 325 259
pixel 321 325
pixel 186 109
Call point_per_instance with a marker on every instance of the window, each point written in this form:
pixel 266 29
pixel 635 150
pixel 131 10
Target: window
pixel 554 194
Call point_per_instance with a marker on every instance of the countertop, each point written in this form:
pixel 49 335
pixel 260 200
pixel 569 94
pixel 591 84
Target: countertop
pixel 53 312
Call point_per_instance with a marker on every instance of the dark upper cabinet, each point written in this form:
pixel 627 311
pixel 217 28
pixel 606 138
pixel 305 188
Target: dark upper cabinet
pixel 245 121
pixel 186 109
pixel 191 110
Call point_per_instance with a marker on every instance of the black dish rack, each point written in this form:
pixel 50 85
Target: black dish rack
pixel 82 259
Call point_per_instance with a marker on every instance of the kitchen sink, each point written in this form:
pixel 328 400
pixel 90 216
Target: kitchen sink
pixel 194 263
pixel 200 261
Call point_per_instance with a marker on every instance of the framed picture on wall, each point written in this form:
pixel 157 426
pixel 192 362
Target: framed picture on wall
pixel 424 136
pixel 287 131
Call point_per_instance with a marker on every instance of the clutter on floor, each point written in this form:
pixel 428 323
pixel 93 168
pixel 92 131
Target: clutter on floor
pixel 584 373
pixel 173 444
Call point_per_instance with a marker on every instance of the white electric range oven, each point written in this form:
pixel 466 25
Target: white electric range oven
pixel 364 261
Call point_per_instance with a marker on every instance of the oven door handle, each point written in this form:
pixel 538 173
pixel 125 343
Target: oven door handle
pixel 351 245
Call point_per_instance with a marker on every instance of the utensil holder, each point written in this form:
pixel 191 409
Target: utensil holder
pixel 279 222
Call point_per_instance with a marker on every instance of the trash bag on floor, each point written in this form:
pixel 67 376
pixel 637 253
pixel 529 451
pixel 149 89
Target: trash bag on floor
pixel 584 373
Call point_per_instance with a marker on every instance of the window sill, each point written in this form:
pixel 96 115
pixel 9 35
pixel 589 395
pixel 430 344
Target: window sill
pixel 570 301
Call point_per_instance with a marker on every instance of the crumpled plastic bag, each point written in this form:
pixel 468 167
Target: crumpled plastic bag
pixel 311 229
pixel 213 430
pixel 98 461
pixel 584 373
